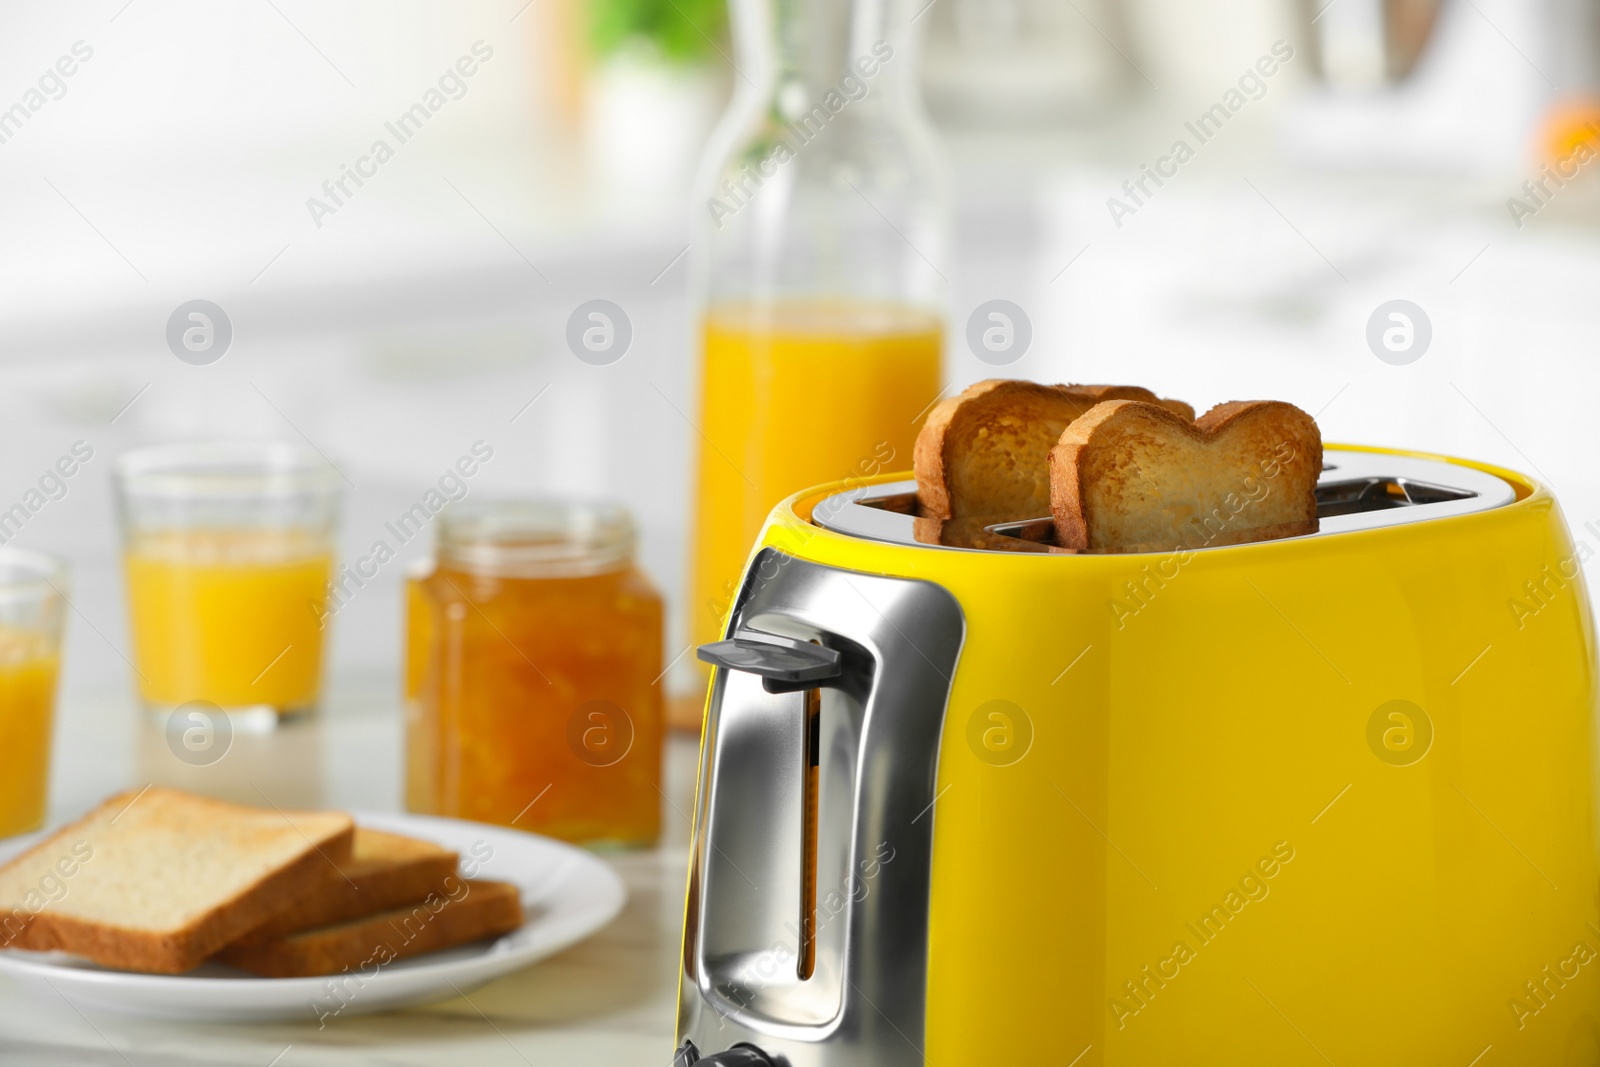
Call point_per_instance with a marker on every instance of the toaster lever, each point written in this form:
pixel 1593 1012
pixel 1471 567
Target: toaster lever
pixel 784 664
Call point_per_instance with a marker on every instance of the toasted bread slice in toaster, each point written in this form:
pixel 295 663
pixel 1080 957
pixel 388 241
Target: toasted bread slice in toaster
pixel 1132 476
pixel 984 453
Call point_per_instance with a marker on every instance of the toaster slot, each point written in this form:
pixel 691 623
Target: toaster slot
pixel 1351 497
pixel 810 783
pixel 1358 490
pixel 1039 531
pixel 1360 495
pixel 899 503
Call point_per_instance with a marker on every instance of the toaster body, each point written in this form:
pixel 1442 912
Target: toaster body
pixel 1321 799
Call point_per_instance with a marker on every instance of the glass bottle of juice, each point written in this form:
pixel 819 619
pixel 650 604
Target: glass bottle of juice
pixel 818 272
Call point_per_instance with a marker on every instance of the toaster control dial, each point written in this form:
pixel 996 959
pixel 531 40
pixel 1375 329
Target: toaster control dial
pixel 737 1056
pixel 784 664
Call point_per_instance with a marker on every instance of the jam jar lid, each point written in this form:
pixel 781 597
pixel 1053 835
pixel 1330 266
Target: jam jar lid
pixel 536 538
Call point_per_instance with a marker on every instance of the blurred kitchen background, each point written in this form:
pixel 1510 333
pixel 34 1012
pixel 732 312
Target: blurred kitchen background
pixel 1383 160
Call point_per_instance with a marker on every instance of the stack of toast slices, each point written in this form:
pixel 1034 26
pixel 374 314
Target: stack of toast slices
pixel 162 880
pixel 1114 468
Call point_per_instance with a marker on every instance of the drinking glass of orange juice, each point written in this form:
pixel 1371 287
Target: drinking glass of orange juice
pixel 32 598
pixel 819 270
pixel 228 548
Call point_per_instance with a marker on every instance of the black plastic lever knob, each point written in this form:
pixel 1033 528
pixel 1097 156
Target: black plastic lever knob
pixel 785 664
pixel 738 1056
pixel 742 1056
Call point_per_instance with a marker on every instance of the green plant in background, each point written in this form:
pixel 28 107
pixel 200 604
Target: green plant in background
pixel 684 31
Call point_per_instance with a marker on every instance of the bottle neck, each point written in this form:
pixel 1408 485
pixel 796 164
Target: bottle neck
pixel 824 180
pixel 799 51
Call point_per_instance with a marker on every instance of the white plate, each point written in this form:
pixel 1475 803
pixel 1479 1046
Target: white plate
pixel 567 894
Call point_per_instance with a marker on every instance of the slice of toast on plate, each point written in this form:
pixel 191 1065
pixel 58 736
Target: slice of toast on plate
pixel 984 453
pixel 464 911
pixel 1132 476
pixel 160 879
pixel 384 871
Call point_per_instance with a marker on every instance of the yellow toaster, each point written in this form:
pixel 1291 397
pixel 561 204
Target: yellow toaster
pixel 1328 799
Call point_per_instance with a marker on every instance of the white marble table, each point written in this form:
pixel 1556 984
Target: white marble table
pixel 607 1002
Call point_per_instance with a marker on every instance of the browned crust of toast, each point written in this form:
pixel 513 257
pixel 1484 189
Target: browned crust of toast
pixel 927 530
pixel 176 951
pixel 932 458
pixel 1070 480
pixel 488 909
pixel 360 887
pixel 15 923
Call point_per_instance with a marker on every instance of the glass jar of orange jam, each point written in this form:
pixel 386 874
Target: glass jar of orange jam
pixel 533 664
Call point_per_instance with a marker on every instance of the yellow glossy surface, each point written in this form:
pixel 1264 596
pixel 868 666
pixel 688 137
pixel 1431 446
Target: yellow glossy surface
pixel 1383 912
pixel 791 396
pixel 532 702
pixel 28 665
pixel 229 616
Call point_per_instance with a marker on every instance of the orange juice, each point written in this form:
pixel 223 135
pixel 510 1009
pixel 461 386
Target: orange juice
pixel 792 395
pixel 228 616
pixel 27 700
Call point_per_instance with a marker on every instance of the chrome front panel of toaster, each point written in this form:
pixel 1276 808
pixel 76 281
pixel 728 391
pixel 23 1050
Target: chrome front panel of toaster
pixel 878 733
